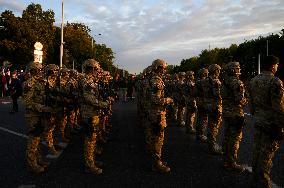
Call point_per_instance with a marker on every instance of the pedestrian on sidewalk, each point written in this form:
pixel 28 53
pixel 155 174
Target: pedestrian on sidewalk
pixel 15 90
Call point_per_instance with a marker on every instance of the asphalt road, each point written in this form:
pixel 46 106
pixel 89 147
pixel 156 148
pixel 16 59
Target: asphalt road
pixel 126 163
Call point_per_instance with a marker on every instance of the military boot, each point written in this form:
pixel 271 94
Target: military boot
pixel 202 138
pixel 32 155
pixel 93 170
pixel 215 149
pixel 160 167
pixel 234 166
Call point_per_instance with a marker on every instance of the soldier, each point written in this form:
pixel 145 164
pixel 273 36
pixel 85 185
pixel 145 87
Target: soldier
pixel 180 99
pixel 233 98
pixel 213 107
pixel 34 91
pixel 190 102
pixel 53 100
pixel 175 96
pixel 202 118
pixel 157 115
pixel 90 104
pixel 267 107
pixel 64 110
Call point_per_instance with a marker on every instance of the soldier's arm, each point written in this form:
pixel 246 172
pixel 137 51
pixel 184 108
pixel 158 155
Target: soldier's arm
pixel 277 100
pixel 239 93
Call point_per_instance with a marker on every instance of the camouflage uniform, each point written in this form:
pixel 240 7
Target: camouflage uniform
pixel 34 90
pixel 202 117
pixel 213 102
pixel 190 101
pixel 180 99
pixel 233 98
pixel 64 110
pixel 175 95
pixel 90 104
pixel 52 92
pixel 157 115
pixel 267 107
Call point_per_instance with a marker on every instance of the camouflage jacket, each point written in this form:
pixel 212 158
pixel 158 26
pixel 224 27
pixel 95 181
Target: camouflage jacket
pixel 233 97
pixel 33 95
pixel 266 94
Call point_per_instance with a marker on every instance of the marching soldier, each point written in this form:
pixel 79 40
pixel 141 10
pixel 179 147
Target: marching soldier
pixel 190 102
pixel 53 100
pixel 267 106
pixel 233 101
pixel 214 107
pixel 157 115
pixel 180 98
pixel 202 117
pixel 34 92
pixel 90 104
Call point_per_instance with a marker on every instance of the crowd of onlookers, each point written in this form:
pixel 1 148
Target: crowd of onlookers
pixel 11 86
pixel 124 87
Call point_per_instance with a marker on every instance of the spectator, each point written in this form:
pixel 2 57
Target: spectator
pixel 15 89
pixel 130 87
pixel 123 85
pixel 4 85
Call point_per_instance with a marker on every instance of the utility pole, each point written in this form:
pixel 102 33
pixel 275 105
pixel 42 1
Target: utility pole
pixel 62 25
pixel 267 47
pixel 258 66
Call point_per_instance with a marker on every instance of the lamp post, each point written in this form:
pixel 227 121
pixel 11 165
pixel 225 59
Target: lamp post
pixel 93 43
pixel 62 25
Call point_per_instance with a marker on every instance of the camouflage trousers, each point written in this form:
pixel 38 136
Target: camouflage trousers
pixel 180 113
pixel 264 149
pixel 190 119
pixel 232 136
pixel 89 150
pixel 90 140
pixel 214 123
pixel 201 122
pixel 154 142
pixel 32 148
pixel 48 134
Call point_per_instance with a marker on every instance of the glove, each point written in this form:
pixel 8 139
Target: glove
pixel 103 104
pixel 168 100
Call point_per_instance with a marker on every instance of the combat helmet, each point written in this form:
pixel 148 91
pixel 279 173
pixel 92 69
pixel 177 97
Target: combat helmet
pixel 51 69
pixel 232 69
pixel 212 68
pixel 189 73
pixel 33 65
pixel 203 72
pixel 159 63
pixel 90 63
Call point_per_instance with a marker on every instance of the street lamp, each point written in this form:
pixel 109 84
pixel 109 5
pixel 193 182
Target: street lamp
pixel 62 25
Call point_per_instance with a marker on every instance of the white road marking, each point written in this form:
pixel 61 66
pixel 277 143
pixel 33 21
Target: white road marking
pixel 13 132
pixel 27 186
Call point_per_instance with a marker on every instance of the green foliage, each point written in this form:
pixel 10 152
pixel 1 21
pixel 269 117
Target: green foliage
pixel 19 34
pixel 246 53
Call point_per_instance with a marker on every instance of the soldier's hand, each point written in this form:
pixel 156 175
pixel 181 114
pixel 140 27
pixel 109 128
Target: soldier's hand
pixel 103 104
pixel 169 100
pixel 46 109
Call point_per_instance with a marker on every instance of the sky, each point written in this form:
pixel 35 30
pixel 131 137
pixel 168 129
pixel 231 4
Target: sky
pixel 140 31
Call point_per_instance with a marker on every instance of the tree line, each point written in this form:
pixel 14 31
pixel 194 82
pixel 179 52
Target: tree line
pixel 245 53
pixel 19 34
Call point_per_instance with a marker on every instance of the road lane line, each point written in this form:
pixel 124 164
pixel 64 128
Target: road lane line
pixel 13 132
